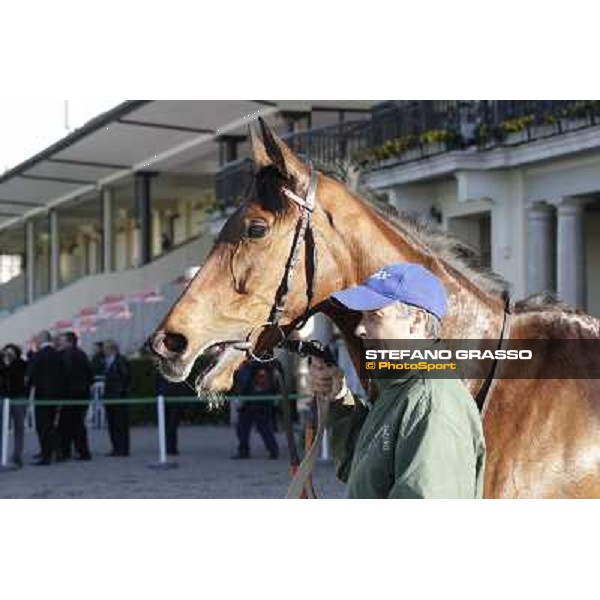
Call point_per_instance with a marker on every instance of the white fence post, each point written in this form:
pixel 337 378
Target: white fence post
pixel 95 415
pixel 162 441
pixel 163 463
pixel 4 466
pixel 325 445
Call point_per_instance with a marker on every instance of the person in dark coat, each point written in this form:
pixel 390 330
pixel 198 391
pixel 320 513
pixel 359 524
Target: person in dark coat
pixel 78 380
pixel 173 410
pixel 116 385
pixel 45 375
pixel 98 360
pixel 12 377
pixel 256 380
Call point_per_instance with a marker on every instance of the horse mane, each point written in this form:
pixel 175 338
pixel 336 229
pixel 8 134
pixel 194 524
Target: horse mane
pixel 455 252
pixel 459 255
pixel 466 259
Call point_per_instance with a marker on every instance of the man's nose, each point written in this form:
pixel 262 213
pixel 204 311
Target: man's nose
pixel 360 330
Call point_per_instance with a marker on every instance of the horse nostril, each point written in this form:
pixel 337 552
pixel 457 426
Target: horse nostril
pixel 175 342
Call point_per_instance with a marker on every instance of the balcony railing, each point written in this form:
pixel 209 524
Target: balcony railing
pixel 331 144
pixel 402 132
pixel 231 182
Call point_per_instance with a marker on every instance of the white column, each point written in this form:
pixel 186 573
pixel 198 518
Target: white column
pixel 30 260
pixel 540 248
pixel 92 255
pixel 54 252
pixel 571 276
pixel 188 216
pixel 156 234
pixel 107 230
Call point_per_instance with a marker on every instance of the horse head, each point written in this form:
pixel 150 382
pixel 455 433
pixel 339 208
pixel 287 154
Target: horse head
pixel 231 298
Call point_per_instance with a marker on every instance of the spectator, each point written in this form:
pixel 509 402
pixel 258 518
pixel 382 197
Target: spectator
pixel 98 360
pixel 117 383
pixel 78 380
pixel 12 377
pixel 256 380
pixel 45 375
pixel 173 410
pixel 165 242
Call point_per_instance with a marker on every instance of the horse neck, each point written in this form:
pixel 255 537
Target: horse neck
pixel 363 242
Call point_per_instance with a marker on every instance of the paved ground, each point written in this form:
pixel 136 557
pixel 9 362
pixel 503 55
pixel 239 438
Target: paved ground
pixel 205 471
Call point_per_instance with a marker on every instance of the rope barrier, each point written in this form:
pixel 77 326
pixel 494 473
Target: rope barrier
pixel 160 402
pixel 152 400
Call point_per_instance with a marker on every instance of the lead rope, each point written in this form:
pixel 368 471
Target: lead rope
pixel 301 485
pixel 307 490
pixel 301 480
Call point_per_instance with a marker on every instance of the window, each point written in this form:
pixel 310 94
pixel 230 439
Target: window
pixel 10 266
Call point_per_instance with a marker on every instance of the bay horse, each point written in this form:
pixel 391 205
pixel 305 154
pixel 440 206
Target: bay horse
pixel 542 435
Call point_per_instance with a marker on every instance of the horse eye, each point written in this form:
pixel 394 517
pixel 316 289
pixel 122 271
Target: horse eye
pixel 257 229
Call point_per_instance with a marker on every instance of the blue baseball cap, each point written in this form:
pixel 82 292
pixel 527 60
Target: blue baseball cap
pixel 403 282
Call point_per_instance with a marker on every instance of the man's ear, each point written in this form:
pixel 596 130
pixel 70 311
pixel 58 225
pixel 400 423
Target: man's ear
pixel 290 166
pixel 418 322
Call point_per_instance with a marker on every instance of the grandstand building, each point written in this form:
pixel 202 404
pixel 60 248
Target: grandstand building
pixel 101 231
pixel 104 228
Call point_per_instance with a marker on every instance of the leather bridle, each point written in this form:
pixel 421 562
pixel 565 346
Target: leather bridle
pixel 303 233
pixel 301 485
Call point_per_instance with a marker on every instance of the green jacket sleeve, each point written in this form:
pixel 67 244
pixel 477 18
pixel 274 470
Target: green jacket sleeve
pixel 434 459
pixel 345 421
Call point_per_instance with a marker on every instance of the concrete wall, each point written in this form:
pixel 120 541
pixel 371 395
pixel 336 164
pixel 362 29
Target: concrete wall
pixel 470 194
pixel 12 293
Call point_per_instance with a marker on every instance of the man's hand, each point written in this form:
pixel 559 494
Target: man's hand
pixel 328 381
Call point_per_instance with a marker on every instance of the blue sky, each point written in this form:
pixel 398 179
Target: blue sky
pixel 27 125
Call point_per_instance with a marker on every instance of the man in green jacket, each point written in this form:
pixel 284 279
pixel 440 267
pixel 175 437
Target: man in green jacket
pixel 422 437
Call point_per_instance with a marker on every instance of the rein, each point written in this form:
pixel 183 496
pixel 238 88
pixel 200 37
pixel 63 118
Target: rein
pixel 484 391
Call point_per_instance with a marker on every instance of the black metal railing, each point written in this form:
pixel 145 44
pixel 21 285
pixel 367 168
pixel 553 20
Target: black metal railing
pixel 330 144
pixel 393 120
pixel 232 181
pixel 405 131
pixel 398 132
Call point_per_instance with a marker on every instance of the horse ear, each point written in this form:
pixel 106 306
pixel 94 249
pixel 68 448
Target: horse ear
pixel 282 157
pixel 259 152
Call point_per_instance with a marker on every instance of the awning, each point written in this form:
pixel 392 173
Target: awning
pixel 136 135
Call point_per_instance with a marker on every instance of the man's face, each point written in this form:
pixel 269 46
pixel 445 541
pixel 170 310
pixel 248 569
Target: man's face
pixel 395 321
pixel 260 380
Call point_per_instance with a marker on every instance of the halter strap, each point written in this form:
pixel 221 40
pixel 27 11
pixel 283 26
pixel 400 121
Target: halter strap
pixel 308 205
pixel 302 233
